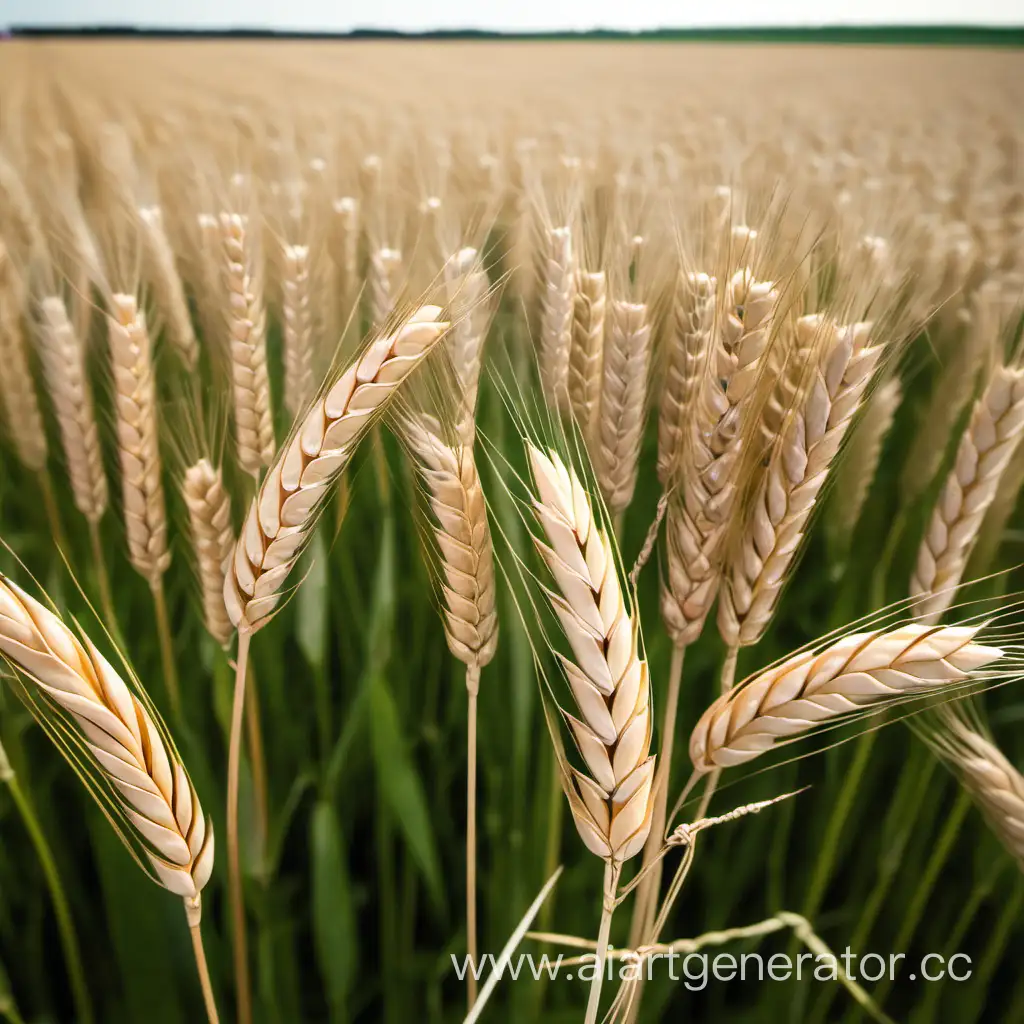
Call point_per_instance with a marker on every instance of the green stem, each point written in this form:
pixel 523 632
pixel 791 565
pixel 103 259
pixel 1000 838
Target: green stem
pixel 65 925
pixel 472 948
pixel 163 628
pixel 99 562
pixel 992 955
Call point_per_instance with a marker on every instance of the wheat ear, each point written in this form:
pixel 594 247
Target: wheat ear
pixel 62 354
pixel 693 316
pixel 988 775
pixel 145 779
pixel 589 310
pixel 298 328
pixel 627 352
pixel 283 514
pixel 467 293
pixel 382 284
pixel 798 468
pixel 17 390
pixel 213 538
pixel 860 463
pixel 557 316
pixel 254 428
pixel 858 671
pixel 167 287
pixel 992 436
pixel 467 587
pixel 343 246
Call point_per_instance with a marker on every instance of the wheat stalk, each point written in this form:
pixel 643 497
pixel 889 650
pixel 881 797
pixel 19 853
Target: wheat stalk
pixel 588 324
pixel 298 328
pixel 988 775
pixel 858 671
pixel 254 428
pixel 209 516
pixel 62 355
pixel 985 450
pixel 144 777
pixel 839 374
pixel 168 289
pixel 559 280
pixel 627 352
pixel 693 317
pixel 283 513
pixel 17 390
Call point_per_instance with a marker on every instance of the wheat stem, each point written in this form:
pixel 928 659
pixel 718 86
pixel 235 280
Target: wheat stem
pixel 99 561
pixel 163 629
pixel 472 689
pixel 257 760
pixel 611 880
pixel 52 511
pixel 61 910
pixel 204 972
pixel 235 894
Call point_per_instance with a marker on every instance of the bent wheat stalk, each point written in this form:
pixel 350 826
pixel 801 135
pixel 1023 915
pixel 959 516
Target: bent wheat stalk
pixel 860 670
pixel 986 448
pixel 611 806
pixel 467 587
pixel 280 520
pixel 145 785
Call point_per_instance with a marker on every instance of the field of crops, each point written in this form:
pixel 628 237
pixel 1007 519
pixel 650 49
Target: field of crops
pixel 522 499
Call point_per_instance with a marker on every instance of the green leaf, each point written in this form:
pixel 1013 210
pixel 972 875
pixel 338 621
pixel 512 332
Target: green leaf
pixel 334 919
pixel 401 788
pixel 312 603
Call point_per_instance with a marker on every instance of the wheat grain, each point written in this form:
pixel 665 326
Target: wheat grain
pixel 254 428
pixel 858 671
pixel 209 516
pixel 839 375
pixel 62 355
pixel 985 450
pixel 463 538
pixel 556 316
pixel 282 515
pixel 119 731
pixel 298 328
pixel 607 675
pixel 627 352
pixel 585 360
pixel 167 287
pixel 138 446
pixel 17 390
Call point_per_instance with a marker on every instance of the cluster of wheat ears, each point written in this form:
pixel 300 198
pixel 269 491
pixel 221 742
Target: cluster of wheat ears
pixel 217 287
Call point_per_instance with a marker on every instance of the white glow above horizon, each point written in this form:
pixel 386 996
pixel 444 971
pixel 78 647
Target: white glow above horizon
pixel 502 15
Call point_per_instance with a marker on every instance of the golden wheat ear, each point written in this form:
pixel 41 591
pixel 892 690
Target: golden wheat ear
pixel 284 512
pixel 857 672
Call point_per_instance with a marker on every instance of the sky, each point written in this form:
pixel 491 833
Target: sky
pixel 522 15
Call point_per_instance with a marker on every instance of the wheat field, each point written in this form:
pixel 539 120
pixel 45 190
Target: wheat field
pixel 439 478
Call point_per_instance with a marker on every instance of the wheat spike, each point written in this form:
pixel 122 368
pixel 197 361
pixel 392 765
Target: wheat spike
pixel 557 316
pixel 254 428
pixel 118 731
pixel 382 283
pixel 985 450
pixel 627 352
pixel 988 775
pixel 283 513
pixel 138 446
pixel 167 287
pixel 209 516
pixel 608 675
pixel 464 539
pixel 298 329
pixel 17 390
pixel 343 244
pixel 591 302
pixel 467 299
pixel 860 670
pixel 693 316
pixel 839 375
pixel 62 355
pixel 860 463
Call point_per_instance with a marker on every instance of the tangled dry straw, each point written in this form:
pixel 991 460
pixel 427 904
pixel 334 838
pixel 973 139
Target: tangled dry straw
pixel 858 671
pixel 283 513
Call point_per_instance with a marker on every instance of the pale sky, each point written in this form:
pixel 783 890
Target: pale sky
pixel 525 15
